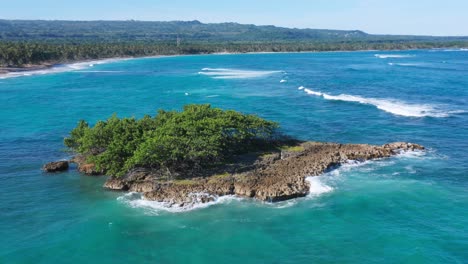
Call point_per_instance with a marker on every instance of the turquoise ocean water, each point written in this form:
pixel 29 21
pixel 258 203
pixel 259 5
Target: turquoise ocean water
pixel 408 209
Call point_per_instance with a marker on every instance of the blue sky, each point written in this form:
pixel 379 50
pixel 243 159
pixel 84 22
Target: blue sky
pixel 420 17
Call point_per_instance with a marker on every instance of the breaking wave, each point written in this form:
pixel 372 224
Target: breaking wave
pixel 334 178
pixel 317 187
pixel 136 200
pixel 392 106
pixel 455 50
pixel 388 56
pixel 86 71
pixel 328 182
pixel 406 64
pixel 79 66
pixel 222 73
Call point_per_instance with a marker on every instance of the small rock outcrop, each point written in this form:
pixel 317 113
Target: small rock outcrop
pixel 55 166
pixel 270 177
pixel 85 167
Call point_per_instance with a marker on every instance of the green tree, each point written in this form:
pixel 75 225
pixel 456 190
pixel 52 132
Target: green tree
pixel 197 137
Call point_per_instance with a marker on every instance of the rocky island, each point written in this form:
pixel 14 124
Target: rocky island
pixel 193 156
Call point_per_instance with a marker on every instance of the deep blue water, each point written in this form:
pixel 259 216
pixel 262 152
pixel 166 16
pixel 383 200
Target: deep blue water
pixel 407 209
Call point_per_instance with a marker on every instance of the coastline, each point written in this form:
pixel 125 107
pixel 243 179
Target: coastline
pixel 35 67
pixel 45 68
pixel 31 69
pixel 269 177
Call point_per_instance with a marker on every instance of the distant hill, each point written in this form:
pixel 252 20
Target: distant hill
pixel 191 31
pixel 32 43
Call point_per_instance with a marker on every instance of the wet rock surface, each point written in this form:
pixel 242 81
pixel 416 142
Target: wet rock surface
pixel 270 177
pixel 55 166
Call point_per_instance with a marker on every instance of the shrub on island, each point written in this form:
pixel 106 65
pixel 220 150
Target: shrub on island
pixel 191 140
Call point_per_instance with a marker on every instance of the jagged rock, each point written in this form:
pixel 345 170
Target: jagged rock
pixel 403 146
pixel 56 166
pixel 270 177
pixel 136 180
pixel 116 184
pixel 85 167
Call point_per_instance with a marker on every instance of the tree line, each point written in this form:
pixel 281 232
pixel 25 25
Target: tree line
pixel 23 53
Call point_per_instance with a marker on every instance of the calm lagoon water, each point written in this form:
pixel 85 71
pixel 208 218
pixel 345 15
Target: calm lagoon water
pixel 408 209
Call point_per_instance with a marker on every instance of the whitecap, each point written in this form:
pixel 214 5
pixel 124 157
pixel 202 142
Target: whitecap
pixel 223 73
pixel 211 96
pixel 283 81
pixel 407 64
pixel 301 88
pixel 136 200
pixel 392 106
pixel 387 56
pixel 100 71
pixel 309 91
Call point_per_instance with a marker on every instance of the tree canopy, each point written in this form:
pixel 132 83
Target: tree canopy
pixel 200 136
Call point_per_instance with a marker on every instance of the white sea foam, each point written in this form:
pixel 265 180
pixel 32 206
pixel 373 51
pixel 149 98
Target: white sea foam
pixel 416 154
pixel 387 56
pixel 455 50
pixel 211 96
pixel 301 88
pixel 309 91
pixel 281 205
pixel 100 71
pixel 59 68
pixel 223 73
pixel 392 106
pixel 317 187
pixel 136 200
pixel 406 64
pixel 332 180
pixel 283 81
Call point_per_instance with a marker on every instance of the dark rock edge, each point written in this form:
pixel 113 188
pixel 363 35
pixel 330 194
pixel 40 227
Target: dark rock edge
pixel 271 177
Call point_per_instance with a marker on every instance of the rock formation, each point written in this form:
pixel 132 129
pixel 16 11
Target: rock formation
pixel 55 166
pixel 84 167
pixel 270 177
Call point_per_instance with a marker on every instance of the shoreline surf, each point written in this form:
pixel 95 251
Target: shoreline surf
pixel 38 69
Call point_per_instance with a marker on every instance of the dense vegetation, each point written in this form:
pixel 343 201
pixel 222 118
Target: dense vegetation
pixel 24 42
pixel 196 138
pixel 14 54
pixel 190 31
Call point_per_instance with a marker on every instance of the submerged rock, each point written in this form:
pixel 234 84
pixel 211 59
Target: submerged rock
pixel 269 177
pixel 56 166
